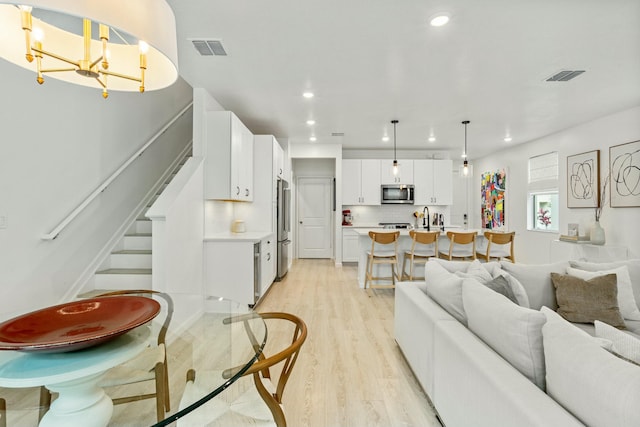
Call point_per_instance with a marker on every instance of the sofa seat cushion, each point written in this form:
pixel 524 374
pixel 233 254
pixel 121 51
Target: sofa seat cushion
pixel 597 387
pixel 624 344
pixel 536 280
pixel 512 331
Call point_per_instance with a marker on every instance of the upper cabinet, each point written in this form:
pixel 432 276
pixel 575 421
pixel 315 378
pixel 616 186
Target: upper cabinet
pixel 404 176
pixel 360 182
pixel 229 158
pixel 433 182
pixel 278 159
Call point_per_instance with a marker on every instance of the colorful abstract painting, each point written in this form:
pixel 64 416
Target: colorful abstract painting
pixel 493 185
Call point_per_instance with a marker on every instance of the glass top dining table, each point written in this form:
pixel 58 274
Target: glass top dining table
pixel 208 335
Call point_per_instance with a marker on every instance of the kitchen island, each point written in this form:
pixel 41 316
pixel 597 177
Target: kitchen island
pixel 404 244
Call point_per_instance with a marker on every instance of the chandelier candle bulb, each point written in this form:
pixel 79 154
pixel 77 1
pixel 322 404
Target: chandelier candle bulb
pixel 104 37
pixel 25 15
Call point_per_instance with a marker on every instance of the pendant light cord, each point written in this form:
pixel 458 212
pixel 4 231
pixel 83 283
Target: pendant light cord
pixel 395 122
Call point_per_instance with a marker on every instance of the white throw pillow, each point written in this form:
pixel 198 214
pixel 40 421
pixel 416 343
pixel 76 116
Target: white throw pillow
pixel 451 266
pixel 478 272
pixel 512 331
pixel 446 289
pixel 632 264
pixel 591 383
pixel 624 344
pixel 536 280
pixel 626 300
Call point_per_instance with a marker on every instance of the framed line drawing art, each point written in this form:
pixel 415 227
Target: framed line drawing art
pixel 624 166
pixel 583 180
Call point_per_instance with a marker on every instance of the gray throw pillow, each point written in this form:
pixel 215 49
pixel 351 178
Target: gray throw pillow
pixel 585 301
pixel 501 286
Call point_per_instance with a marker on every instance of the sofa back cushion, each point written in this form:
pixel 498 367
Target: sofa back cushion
pixel 597 387
pixel 536 280
pixel 512 331
pixel 633 265
pixel 445 289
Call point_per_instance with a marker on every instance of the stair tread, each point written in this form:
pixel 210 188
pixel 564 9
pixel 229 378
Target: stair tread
pixel 133 252
pixel 125 271
pixel 138 235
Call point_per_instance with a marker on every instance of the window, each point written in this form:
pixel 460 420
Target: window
pixel 543 209
pixel 543 215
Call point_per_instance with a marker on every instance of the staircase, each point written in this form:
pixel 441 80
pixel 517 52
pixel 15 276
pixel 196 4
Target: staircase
pixel 129 264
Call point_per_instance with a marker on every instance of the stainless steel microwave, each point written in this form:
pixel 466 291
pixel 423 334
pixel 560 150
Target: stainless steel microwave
pixel 397 193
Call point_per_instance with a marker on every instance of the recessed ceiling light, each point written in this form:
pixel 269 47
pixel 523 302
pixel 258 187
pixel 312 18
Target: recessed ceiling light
pixel 313 139
pixel 385 138
pixel 507 139
pixel 308 94
pixel 432 138
pixel 311 122
pixel 439 20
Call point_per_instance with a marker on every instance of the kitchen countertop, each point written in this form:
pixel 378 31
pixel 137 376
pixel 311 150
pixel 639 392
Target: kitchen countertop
pixel 227 236
pixel 405 231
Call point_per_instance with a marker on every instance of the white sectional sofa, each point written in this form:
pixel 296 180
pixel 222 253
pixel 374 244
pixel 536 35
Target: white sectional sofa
pixel 479 382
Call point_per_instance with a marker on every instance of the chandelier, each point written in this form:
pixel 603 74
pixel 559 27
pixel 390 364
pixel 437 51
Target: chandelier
pixel 135 48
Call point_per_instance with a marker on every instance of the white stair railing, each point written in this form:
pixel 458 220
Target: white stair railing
pixel 56 231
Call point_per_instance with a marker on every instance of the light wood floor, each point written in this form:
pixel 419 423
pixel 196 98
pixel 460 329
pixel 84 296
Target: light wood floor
pixel 350 371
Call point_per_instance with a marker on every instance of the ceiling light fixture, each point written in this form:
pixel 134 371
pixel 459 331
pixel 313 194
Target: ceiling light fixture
pixel 308 95
pixel 130 46
pixel 439 20
pixel 465 163
pixel 313 139
pixel 432 138
pixel 311 122
pixel 395 158
pixel 507 139
pixel 385 138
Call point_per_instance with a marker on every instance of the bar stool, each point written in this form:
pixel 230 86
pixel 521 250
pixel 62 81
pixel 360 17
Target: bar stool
pixel 496 246
pixel 462 245
pixel 381 254
pixel 424 245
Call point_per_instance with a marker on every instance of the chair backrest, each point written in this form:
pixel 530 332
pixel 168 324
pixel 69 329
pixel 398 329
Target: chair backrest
pixel 499 238
pixel 162 333
pixel 424 237
pixel 461 238
pixel 288 356
pixel 384 237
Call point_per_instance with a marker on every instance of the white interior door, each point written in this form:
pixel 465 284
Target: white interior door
pixel 314 217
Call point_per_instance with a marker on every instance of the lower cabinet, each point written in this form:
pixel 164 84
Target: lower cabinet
pixel 241 270
pixel 349 245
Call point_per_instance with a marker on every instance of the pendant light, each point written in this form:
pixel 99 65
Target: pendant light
pixel 395 158
pixel 465 163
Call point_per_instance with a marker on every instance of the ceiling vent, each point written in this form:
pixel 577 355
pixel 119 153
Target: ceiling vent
pixel 337 133
pixel 209 47
pixel 564 76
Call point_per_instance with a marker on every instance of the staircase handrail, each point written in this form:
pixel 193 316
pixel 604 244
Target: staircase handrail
pixel 56 231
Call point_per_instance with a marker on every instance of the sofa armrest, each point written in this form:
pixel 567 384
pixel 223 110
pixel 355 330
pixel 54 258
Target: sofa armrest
pixel 414 320
pixel 473 385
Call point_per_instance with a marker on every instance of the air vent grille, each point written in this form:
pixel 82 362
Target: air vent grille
pixel 337 133
pixel 564 76
pixel 209 47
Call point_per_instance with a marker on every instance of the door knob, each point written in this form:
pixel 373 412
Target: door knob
pixel 300 222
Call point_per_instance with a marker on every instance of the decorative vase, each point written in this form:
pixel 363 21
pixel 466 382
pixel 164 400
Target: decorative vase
pixel 597 234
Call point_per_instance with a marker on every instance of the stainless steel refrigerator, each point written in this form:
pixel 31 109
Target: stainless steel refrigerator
pixel 284 226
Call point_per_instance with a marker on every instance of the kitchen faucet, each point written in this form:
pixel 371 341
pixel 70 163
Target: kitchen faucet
pixel 425 219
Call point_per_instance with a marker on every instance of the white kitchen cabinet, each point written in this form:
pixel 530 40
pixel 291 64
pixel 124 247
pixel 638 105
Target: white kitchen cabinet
pixel 433 182
pixel 229 270
pixel 228 158
pixel 360 182
pixel 278 160
pixel 404 176
pixel 268 264
pixel 262 214
pixel 350 251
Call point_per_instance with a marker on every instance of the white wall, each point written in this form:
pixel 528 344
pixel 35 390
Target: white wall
pixel 621 224
pixel 59 142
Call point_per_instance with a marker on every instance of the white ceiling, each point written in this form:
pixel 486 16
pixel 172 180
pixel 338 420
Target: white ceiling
pixel 371 61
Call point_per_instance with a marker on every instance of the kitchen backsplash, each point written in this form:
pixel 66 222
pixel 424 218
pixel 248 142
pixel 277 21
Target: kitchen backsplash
pixel 368 215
